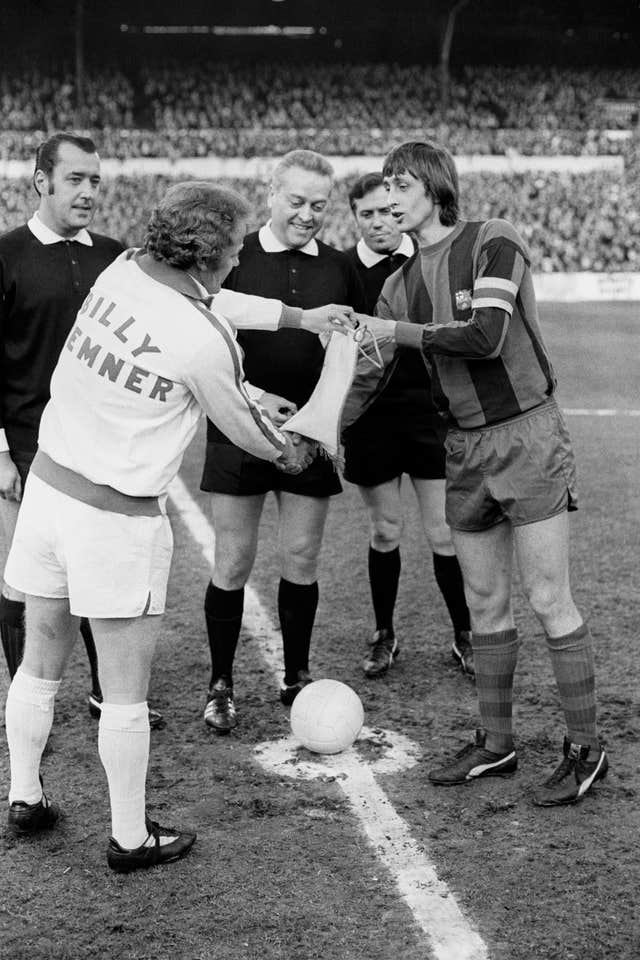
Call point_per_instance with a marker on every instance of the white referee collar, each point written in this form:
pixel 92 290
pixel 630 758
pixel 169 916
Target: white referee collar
pixel 370 257
pixel 270 243
pixel 46 235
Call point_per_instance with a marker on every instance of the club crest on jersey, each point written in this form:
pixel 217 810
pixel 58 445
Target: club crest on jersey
pixel 463 299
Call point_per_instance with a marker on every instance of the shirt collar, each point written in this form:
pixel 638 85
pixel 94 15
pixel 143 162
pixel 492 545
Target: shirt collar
pixel 46 235
pixel 369 257
pixel 179 280
pixel 270 243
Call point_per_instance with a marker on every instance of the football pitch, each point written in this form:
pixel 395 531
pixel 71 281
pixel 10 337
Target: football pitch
pixel 359 857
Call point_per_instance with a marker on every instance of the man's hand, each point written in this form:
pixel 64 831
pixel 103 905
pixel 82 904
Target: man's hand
pixel 327 319
pixel 297 455
pixel 377 326
pixel 277 407
pixel 10 483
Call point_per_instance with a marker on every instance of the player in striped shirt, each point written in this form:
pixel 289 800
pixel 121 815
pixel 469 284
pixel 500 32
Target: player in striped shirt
pixel 467 302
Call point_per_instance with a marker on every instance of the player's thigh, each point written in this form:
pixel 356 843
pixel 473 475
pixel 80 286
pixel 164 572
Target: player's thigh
pixel 8 519
pixel 125 649
pixel 486 561
pixel 51 632
pixel 384 509
pixel 430 495
pixel 236 522
pixel 301 527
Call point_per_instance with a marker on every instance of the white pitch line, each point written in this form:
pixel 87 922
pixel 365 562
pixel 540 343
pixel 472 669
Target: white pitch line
pixel 600 412
pixel 431 902
pixel 434 907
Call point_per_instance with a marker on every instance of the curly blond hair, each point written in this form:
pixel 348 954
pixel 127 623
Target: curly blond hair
pixel 193 224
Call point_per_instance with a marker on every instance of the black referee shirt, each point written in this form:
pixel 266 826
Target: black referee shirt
pixel 42 287
pixel 288 362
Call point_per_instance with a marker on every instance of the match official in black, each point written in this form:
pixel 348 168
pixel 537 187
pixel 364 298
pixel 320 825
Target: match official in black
pixel 285 261
pixel 400 432
pixel 47 267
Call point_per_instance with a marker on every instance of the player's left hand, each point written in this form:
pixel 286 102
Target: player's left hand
pixel 328 319
pixel 279 409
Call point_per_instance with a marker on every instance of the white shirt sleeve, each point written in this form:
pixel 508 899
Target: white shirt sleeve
pixel 216 379
pixel 248 312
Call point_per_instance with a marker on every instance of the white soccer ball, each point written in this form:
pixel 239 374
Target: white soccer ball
pixel 326 716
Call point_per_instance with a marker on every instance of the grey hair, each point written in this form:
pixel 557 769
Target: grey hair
pixel 307 160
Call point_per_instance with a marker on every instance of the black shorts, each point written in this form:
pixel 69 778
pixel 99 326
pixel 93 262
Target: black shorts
pixel 388 447
pixel 229 469
pixel 23 460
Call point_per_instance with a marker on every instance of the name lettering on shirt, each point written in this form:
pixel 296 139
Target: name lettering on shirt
pixel 106 364
pixel 145 347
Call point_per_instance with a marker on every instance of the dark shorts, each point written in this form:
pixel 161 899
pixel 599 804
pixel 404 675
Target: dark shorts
pixel 522 470
pixel 23 460
pixel 228 469
pixel 387 448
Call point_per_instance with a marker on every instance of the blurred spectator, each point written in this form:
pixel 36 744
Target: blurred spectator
pixel 264 109
pixel 234 108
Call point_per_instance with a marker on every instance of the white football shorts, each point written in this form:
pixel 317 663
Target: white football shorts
pixel 109 565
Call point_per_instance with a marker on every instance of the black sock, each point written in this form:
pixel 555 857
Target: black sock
pixel 384 576
pixel 297 604
pixel 12 632
pixel 223 613
pixel 92 656
pixel 449 579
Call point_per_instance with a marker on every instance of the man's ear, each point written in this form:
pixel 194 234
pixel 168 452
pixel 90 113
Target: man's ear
pixel 41 182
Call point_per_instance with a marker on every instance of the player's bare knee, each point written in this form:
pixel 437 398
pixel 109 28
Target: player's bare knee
pixel 487 606
pixel 386 533
pixel 300 561
pixel 232 570
pixel 548 598
pixel 439 539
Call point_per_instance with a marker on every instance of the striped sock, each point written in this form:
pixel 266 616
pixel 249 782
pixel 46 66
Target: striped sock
pixel 495 657
pixel 572 661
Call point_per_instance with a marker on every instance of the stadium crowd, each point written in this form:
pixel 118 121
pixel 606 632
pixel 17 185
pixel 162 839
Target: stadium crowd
pixel 571 222
pixel 261 108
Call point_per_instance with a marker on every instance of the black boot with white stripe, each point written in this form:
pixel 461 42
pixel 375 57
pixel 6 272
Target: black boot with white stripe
pixel 475 761
pixel 573 777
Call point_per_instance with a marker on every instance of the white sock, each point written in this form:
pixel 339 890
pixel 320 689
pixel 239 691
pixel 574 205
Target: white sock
pixel 28 718
pixel 123 745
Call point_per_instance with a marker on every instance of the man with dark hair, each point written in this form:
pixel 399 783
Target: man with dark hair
pixel 400 432
pixel 467 303
pixel 46 270
pixel 382 247
pixel 283 260
pixel 145 357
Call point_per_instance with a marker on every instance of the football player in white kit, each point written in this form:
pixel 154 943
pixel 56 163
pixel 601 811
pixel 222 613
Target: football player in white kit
pixel 150 350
